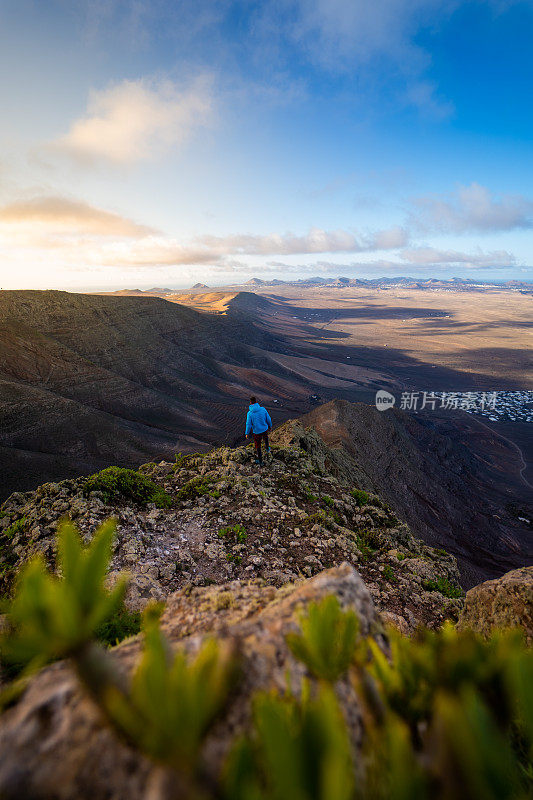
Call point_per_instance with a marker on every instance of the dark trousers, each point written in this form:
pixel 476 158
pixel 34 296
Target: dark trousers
pixel 258 438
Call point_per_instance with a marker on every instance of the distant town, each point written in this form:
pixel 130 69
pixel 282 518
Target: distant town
pixel 504 406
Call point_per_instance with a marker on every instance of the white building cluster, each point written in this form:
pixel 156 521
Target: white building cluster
pixel 497 406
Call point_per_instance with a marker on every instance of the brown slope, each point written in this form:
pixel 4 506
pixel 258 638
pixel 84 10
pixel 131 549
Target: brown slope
pixel 448 495
pixel 90 380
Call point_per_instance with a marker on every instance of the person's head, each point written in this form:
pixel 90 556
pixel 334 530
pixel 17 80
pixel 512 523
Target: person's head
pixel 253 400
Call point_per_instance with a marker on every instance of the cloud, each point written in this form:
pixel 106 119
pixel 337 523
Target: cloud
pixel 423 95
pixel 155 252
pixel 425 256
pixel 337 31
pixel 79 233
pixel 219 250
pixel 472 209
pixel 137 120
pixel 388 239
pixel 63 215
pixel 315 241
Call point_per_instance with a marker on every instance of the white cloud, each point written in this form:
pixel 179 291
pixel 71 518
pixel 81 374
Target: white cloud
pixel 388 239
pixel 73 232
pixel 61 215
pixel 356 30
pixel 155 251
pixel 426 256
pixel 79 233
pixel 472 209
pixel 137 120
pixel 315 241
pixel 423 95
pixel 219 250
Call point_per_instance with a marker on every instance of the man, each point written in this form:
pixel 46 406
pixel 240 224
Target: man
pixel 258 423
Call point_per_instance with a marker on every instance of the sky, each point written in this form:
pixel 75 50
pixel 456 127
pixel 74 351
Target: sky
pixel 167 142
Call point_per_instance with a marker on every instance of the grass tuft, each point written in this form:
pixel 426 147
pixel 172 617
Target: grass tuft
pixel 117 482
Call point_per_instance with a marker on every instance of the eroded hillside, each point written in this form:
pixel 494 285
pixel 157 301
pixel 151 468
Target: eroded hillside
pixel 87 381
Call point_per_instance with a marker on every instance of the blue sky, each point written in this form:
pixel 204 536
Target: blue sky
pixel 163 143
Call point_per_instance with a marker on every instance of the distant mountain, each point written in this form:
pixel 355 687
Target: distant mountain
pixel 200 286
pixel 457 284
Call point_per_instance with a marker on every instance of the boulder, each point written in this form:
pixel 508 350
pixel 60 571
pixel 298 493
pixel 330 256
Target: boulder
pixel 505 602
pixel 54 742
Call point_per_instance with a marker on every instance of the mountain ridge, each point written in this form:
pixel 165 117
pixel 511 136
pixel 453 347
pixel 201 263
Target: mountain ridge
pixel 83 377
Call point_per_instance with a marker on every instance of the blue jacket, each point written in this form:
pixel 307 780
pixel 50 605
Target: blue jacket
pixel 258 419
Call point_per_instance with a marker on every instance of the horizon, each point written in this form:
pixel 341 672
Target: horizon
pixel 503 282
pixel 167 144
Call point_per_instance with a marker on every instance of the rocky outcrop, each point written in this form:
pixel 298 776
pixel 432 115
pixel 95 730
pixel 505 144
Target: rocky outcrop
pixel 506 602
pixel 297 517
pixel 54 743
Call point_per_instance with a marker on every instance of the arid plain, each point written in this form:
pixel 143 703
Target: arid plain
pixel 354 340
pixel 483 339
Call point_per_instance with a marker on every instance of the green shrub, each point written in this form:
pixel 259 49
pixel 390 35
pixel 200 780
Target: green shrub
pixel 118 626
pixel 327 641
pixel 368 541
pixel 236 532
pixel 332 515
pixel 442 715
pixel 172 702
pixel 16 527
pixel 116 482
pixel 389 574
pixel 327 500
pixel 311 519
pixel 194 488
pixel 444 586
pixel 309 496
pixel 361 498
pixel 180 460
pixel 169 704
pixel 298 750
pixel 51 617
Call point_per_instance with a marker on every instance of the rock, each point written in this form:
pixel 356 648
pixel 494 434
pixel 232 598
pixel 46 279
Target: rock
pixel 397 622
pixel 286 535
pixel 505 602
pixel 55 744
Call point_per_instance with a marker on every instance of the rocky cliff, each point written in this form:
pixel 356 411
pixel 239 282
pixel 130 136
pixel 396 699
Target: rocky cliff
pixel 303 512
pixel 450 495
pixel 241 554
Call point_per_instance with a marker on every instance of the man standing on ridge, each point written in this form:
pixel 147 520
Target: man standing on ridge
pixel 259 423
